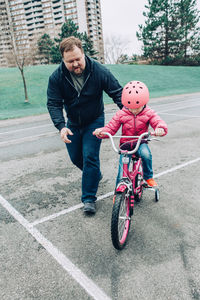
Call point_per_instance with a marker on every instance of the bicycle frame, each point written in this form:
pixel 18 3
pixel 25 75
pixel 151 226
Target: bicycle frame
pixel 128 177
pixel 128 174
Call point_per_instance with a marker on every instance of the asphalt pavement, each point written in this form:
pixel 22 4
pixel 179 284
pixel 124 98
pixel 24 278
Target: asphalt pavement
pixel 50 250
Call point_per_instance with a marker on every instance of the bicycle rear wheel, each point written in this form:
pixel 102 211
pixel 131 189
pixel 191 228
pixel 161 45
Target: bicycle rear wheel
pixel 121 220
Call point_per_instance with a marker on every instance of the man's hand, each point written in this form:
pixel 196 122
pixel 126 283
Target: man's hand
pixel 159 132
pixel 64 133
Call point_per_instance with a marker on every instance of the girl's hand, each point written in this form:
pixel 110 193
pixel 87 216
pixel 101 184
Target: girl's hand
pixel 97 132
pixel 159 132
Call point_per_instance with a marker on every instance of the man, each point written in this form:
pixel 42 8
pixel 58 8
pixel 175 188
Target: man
pixel 77 85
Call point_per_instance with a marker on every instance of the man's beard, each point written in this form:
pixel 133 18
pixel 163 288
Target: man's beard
pixel 80 71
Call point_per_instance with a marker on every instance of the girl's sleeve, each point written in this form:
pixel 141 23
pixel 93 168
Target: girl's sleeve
pixel 113 126
pixel 156 122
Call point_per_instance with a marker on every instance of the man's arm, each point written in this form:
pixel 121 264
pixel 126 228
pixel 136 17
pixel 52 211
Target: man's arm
pixel 112 87
pixel 55 103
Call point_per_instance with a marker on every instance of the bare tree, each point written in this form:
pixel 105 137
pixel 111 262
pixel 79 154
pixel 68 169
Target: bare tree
pixel 114 48
pixel 21 58
pixel 21 53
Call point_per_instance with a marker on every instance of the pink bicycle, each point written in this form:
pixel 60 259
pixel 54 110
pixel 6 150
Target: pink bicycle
pixel 129 190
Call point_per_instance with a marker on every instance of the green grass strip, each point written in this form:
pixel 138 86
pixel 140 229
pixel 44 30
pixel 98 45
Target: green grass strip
pixel 161 81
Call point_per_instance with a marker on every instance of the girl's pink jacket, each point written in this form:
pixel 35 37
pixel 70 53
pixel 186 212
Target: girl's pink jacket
pixel 134 125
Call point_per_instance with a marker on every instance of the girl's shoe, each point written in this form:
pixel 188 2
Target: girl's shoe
pixel 151 182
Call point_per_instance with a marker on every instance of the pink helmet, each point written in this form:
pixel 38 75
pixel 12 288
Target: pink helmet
pixel 135 94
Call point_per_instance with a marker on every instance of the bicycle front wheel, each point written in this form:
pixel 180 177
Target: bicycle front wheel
pixel 139 184
pixel 121 220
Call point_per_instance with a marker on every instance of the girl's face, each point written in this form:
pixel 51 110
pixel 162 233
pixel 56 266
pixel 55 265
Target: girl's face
pixel 136 110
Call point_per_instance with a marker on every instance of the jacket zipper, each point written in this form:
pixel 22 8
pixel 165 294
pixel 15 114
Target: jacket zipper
pixel 135 116
pixel 70 82
pixel 79 97
pixel 84 84
pixel 79 113
pixel 135 131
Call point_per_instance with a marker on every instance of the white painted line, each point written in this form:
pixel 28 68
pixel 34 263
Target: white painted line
pixel 87 284
pixel 72 208
pixel 179 108
pixel 27 128
pixel 180 101
pixel 53 216
pixel 177 167
pixel 177 104
pixel 105 196
pixel 66 211
pixel 179 115
pixel 27 138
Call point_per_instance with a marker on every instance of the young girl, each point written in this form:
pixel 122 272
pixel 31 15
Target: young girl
pixel 135 118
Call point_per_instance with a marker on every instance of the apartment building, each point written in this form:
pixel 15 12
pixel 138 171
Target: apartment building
pixel 29 19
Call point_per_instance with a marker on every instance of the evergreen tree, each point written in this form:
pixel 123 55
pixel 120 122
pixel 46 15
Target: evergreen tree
pixel 158 34
pixel 88 46
pixel 169 31
pixel 55 55
pixel 189 29
pixel 68 29
pixel 45 45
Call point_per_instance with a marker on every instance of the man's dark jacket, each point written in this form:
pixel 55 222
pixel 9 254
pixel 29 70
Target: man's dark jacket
pixel 84 107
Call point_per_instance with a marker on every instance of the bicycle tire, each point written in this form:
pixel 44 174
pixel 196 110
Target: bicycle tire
pixel 157 195
pixel 139 182
pixel 120 222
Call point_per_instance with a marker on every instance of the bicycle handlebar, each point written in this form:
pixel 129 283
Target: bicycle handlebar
pixel 140 137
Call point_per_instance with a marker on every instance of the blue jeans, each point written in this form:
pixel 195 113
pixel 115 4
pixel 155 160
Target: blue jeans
pixel 143 152
pixel 84 153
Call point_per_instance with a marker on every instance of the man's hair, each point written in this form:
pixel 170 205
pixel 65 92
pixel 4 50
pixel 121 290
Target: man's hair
pixel 69 43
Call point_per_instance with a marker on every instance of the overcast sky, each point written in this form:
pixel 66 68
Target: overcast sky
pixel 121 18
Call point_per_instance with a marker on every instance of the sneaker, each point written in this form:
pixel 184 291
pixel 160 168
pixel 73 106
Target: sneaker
pixel 151 182
pixel 89 207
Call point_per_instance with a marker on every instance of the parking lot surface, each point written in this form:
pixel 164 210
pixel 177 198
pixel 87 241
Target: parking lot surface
pixel 50 250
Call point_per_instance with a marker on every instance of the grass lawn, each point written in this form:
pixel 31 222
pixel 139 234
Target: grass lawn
pixel 161 81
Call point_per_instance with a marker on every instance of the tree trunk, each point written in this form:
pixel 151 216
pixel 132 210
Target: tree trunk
pixel 166 34
pixel 25 88
pixel 185 46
